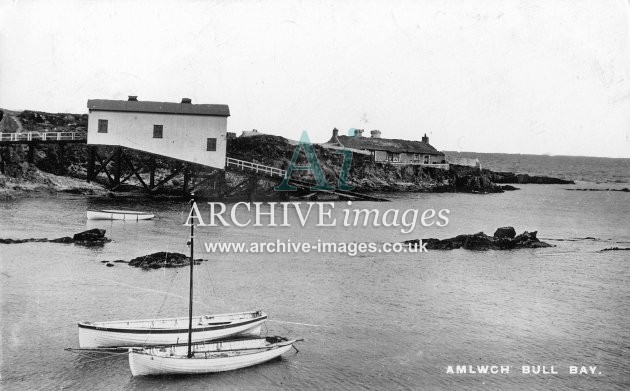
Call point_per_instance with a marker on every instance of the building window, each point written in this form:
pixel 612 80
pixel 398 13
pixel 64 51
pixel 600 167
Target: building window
pixel 426 159
pixel 102 126
pixel 157 131
pixel 212 144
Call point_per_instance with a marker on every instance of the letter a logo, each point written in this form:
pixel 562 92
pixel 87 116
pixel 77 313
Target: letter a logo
pixel 313 166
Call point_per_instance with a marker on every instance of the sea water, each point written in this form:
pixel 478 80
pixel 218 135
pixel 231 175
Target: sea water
pixel 377 321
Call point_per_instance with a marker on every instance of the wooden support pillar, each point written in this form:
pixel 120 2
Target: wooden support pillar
pixel 220 184
pixel 186 179
pixel 192 178
pixel 90 163
pixel 31 153
pixel 152 172
pixel 61 156
pixel 119 164
pixel 251 187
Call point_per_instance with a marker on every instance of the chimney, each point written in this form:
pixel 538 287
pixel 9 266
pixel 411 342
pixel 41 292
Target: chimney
pixel 186 101
pixel 358 133
pixel 376 134
pixel 335 132
pixel 132 98
pixel 425 139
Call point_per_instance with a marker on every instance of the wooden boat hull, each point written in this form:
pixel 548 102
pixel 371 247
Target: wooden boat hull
pixel 118 215
pixel 169 331
pixel 173 360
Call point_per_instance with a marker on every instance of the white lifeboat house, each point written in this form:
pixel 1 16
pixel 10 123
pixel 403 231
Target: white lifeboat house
pixel 194 133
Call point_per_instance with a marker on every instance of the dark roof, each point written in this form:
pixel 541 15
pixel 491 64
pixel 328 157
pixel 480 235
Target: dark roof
pixel 158 107
pixel 386 144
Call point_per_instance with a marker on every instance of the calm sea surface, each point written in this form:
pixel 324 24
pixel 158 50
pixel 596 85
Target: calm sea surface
pixel 373 321
pixel 577 168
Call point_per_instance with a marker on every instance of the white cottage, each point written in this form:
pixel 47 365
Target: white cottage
pixel 195 133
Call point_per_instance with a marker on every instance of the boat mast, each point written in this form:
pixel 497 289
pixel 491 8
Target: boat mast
pixel 190 300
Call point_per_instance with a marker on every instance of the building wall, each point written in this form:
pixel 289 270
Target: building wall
pixel 184 136
pixel 462 161
pixel 405 158
pixel 436 159
pixel 380 156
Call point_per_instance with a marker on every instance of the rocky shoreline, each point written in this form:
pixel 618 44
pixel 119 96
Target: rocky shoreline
pixel 54 171
pixel 36 182
pixel 512 178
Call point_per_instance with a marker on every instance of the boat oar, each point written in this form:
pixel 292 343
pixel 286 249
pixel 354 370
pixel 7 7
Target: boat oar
pixel 275 345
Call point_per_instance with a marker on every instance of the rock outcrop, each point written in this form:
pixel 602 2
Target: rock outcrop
pixel 505 232
pixel 625 190
pixel 615 249
pixel 162 259
pixel 510 177
pixel 92 237
pixel 504 238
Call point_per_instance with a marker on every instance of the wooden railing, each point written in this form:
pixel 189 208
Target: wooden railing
pixel 277 172
pixel 254 167
pixel 43 136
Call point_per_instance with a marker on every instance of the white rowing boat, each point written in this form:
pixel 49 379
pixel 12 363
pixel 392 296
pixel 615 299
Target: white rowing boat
pixel 127 215
pixel 206 358
pixel 169 331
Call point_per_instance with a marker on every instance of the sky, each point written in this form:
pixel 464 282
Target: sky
pixel 536 77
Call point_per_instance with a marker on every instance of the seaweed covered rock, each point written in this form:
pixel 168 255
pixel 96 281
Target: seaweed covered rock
pixel 162 259
pixel 92 237
pixel 478 241
pixel 504 238
pixel 18 241
pixel 505 232
pixel 529 240
pixel 65 239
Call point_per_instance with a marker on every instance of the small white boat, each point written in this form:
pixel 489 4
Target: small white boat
pixel 206 358
pixel 127 215
pixel 169 331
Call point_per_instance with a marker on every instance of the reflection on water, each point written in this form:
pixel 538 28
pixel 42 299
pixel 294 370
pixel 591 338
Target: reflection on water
pixel 381 321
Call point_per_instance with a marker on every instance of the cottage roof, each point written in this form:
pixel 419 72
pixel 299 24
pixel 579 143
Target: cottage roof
pixel 158 107
pixel 386 144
